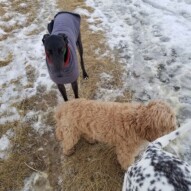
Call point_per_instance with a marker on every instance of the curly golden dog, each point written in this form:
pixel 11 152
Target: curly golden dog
pixel 126 126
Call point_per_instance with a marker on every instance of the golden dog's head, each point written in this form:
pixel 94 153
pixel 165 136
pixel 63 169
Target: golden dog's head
pixel 155 120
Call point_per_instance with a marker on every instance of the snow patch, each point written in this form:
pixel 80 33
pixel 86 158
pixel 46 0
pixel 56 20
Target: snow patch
pixel 5 144
pixel 38 181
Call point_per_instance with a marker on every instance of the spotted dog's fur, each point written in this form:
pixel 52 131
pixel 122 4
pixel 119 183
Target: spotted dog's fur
pixel 158 170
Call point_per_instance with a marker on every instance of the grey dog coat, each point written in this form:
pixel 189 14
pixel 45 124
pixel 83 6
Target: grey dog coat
pixel 69 24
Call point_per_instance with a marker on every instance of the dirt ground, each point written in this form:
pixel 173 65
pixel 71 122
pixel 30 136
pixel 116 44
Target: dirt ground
pixel 92 167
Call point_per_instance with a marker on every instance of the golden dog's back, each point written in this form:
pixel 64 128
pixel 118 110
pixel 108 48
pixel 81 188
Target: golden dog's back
pixel 96 118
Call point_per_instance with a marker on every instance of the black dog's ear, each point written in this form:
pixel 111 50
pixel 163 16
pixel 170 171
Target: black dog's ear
pixel 50 26
pixel 64 37
pixel 45 37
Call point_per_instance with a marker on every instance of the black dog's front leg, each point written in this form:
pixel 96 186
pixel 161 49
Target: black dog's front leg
pixel 62 90
pixel 75 88
pixel 80 49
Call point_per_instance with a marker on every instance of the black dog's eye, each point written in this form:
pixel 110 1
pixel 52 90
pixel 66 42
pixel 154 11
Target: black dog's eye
pixel 61 50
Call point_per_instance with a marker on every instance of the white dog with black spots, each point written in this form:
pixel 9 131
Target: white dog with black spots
pixel 159 170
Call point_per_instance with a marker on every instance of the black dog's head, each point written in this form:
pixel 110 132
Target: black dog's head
pixel 55 49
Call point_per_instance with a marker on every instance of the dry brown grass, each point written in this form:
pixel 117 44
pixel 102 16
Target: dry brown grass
pixel 7 60
pixel 30 10
pixel 31 74
pixel 92 167
pixel 29 151
pixel 5 127
pixel 2 11
pixel 27 8
pixel 14 170
pixel 39 102
pixel 3 37
pixel 29 148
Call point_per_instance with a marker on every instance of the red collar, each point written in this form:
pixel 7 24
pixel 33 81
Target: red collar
pixel 67 57
pixel 49 60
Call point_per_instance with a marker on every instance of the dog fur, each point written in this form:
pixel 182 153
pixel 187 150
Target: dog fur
pixel 126 126
pixel 158 169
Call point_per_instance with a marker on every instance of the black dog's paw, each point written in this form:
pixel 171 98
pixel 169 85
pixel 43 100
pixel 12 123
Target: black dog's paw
pixel 85 76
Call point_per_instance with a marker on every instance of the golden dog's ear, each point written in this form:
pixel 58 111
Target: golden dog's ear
pixel 155 120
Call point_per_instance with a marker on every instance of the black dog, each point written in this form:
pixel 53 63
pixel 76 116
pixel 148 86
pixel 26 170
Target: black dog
pixel 60 48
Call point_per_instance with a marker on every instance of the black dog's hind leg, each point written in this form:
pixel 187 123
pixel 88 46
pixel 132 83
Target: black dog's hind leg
pixel 62 90
pixel 75 88
pixel 80 49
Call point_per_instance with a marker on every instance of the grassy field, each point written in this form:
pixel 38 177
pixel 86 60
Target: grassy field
pixel 92 167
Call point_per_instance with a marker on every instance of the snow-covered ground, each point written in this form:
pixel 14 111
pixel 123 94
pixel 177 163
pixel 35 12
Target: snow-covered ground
pixel 27 51
pixel 151 37
pixel 153 40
